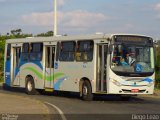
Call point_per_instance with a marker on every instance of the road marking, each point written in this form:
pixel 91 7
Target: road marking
pixel 58 109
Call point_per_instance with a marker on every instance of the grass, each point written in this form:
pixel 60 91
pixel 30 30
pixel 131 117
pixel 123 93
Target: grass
pixel 157 77
pixel 1 79
pixel 157 86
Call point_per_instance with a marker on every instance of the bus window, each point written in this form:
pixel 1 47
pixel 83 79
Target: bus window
pixel 67 51
pixel 8 51
pixel 57 51
pixel 36 51
pixel 18 54
pixel 25 48
pixel 25 51
pixel 84 51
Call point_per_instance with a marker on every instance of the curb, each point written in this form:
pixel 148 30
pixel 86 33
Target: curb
pixel 32 99
pixel 29 98
pixel 45 109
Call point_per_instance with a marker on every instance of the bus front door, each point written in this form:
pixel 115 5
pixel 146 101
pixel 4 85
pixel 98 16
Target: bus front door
pixel 16 66
pixel 49 66
pixel 101 83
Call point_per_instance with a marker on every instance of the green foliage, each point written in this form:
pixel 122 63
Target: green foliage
pixel 158 66
pixel 16 32
pixel 158 56
pixel 2 46
pixel 1 78
pixel 47 34
pixel 157 77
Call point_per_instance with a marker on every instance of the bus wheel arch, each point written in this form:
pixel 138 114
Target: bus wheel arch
pixel 30 85
pixel 85 89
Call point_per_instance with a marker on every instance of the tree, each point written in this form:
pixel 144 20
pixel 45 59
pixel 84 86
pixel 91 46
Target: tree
pixel 47 34
pixel 16 32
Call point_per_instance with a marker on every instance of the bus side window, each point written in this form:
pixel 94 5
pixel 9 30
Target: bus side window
pixel 67 52
pixel 25 52
pixel 8 52
pixel 36 51
pixel 84 50
pixel 57 51
pixel 18 54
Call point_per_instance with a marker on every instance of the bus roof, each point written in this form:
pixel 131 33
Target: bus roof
pixel 63 38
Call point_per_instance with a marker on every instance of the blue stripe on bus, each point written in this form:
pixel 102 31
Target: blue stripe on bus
pixel 33 62
pixel 7 72
pixel 8 67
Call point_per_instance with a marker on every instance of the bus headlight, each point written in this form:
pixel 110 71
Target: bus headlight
pixel 116 82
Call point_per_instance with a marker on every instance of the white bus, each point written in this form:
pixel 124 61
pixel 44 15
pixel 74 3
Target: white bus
pixel 120 64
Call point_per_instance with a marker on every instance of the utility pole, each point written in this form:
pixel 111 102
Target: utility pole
pixel 55 18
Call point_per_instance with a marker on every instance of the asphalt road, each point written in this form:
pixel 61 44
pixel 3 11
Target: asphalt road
pixel 101 108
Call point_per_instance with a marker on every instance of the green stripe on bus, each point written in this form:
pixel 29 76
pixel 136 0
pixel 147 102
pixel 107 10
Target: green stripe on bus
pixel 47 78
pixel 53 77
pixel 34 71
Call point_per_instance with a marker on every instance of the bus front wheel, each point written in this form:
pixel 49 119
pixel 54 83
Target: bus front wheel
pixel 87 91
pixel 30 86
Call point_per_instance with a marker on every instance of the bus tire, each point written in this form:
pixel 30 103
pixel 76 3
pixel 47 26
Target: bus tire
pixel 30 86
pixel 87 91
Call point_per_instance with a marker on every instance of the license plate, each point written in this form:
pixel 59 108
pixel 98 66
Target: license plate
pixel 135 90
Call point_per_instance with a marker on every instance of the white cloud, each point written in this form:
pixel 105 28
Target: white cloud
pixel 157 7
pixel 81 18
pixel 60 2
pixel 40 19
pixel 73 19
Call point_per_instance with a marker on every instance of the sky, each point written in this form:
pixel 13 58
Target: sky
pixel 82 16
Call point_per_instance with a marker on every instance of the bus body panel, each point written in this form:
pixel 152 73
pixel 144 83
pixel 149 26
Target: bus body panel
pixel 72 73
pixel 33 69
pixel 66 76
pixel 7 68
pixel 130 85
pixel 7 75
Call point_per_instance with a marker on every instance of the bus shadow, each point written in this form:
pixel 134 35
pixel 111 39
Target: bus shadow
pixel 74 95
pixel 105 98
pixel 118 99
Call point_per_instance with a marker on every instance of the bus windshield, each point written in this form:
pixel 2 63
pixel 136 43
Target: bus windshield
pixel 132 60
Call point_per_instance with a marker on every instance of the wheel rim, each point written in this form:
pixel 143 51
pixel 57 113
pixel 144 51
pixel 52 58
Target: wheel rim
pixel 29 86
pixel 85 90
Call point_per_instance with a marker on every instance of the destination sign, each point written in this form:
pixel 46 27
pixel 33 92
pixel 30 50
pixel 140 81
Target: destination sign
pixel 133 39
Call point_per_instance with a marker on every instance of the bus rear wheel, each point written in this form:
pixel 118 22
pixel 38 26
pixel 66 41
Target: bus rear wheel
pixel 87 91
pixel 30 86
